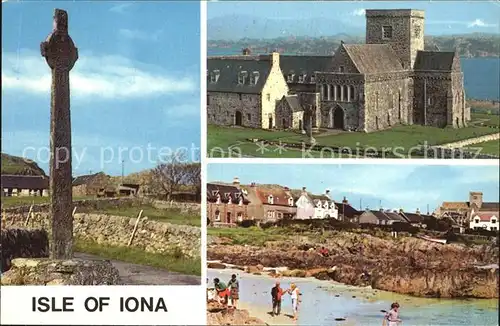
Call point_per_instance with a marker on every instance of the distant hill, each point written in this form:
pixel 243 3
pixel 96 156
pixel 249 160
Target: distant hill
pixel 468 45
pixel 20 166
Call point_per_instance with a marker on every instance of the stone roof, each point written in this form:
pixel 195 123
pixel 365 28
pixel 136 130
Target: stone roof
pixel 373 58
pixel 230 66
pixel 280 197
pixel 412 217
pixel 302 64
pixel 226 192
pixel 25 181
pixel 434 60
pixel 294 103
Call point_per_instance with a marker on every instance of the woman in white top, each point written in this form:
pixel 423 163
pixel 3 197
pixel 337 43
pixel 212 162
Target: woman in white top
pixel 295 294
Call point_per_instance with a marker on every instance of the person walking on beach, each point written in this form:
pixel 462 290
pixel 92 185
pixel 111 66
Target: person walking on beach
pixel 276 293
pixel 234 290
pixel 392 316
pixel 295 294
pixel 222 291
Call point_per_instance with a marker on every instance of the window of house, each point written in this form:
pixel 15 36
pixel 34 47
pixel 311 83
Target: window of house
pixel 242 76
pixel 386 32
pixel 493 228
pixel 239 216
pixel 313 79
pixel 341 69
pixel 249 116
pixel 217 215
pixel 268 97
pixel 290 201
pixel 493 221
pixel 269 214
pixel 477 221
pixel 270 199
pixel 290 78
pixel 254 78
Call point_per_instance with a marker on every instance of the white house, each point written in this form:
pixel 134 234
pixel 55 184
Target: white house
pixel 305 206
pixel 324 207
pixel 484 220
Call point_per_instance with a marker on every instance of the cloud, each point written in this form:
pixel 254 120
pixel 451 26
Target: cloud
pixel 105 77
pixel 121 8
pixel 480 23
pixel 135 34
pixel 358 12
pixel 183 110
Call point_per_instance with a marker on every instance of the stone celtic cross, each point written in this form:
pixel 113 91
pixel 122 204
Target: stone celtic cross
pixel 61 55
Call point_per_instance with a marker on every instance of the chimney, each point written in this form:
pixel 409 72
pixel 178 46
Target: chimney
pixel 417 211
pixel 327 193
pixel 345 201
pixel 236 181
pixel 246 51
pixel 381 209
pixel 252 184
pixel 401 211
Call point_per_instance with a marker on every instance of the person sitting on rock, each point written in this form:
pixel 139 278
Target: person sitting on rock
pixel 324 252
pixel 222 291
pixel 234 290
pixel 392 316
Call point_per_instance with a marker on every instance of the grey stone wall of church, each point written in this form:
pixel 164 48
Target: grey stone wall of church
pixel 222 108
pixel 387 101
pixel 430 105
pixel 460 116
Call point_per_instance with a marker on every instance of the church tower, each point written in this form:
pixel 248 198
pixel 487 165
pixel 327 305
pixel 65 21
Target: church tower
pixel 403 29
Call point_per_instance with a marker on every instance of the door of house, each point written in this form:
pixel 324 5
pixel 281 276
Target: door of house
pixel 228 218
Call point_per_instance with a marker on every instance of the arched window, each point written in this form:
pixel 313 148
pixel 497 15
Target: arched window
pixel 345 94
pixel 352 94
pixel 331 92
pixel 325 91
pixel 338 93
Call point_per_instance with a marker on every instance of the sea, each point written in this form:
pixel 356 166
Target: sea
pixel 481 75
pixel 326 303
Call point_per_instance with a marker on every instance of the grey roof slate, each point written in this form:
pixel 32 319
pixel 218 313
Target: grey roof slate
pixel 294 103
pixel 230 66
pixel 302 64
pixel 24 181
pixel 434 60
pixel 373 58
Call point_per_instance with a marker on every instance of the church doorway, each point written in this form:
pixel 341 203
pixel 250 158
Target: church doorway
pixel 285 124
pixel 338 118
pixel 238 118
pixel 270 122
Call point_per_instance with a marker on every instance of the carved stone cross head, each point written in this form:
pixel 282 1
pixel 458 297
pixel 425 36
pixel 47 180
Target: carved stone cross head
pixel 60 21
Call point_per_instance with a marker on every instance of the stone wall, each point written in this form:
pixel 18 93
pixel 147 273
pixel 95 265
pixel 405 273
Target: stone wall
pixel 407 32
pixel 386 102
pixel 22 243
pixel 431 99
pixel 151 236
pixel 222 109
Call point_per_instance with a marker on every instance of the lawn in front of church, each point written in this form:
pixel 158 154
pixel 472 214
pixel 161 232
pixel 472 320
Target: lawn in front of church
pixel 222 140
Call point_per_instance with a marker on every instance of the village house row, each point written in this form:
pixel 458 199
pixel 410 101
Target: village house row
pixel 391 80
pixel 230 204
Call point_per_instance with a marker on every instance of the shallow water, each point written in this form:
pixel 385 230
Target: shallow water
pixel 323 302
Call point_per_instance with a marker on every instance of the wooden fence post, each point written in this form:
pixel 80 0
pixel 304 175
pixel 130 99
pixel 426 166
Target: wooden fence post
pixel 74 211
pixel 135 228
pixel 28 217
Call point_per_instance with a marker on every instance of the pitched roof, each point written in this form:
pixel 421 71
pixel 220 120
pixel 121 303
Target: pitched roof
pixel 495 206
pixel 395 217
pixel 347 210
pixel 229 68
pixel 293 102
pixel 485 217
pixel 226 192
pixel 455 205
pixel 412 217
pixel 280 197
pixel 303 64
pixel 24 181
pixel 321 197
pixel 380 215
pixel 83 179
pixel 434 60
pixel 373 58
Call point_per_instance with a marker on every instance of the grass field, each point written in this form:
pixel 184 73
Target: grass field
pixel 173 262
pixel 27 200
pixel 489 147
pixel 170 215
pixel 233 142
pixel 483 119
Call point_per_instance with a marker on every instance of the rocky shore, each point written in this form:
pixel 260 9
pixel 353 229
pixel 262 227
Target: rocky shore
pixel 219 315
pixel 405 265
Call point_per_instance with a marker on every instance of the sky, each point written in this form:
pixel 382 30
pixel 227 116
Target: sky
pixel 442 17
pixel 135 89
pixel 376 186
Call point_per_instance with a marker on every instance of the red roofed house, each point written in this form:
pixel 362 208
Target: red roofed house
pixel 270 203
pixel 484 220
pixel 226 204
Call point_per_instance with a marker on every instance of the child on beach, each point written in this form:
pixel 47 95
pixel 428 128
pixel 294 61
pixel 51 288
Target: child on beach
pixel 276 294
pixel 234 289
pixel 392 316
pixel 222 291
pixel 295 295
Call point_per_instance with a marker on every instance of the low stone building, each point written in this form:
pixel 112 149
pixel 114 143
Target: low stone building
pixel 243 90
pixel 90 184
pixel 380 217
pixel 24 185
pixel 346 212
pixel 226 204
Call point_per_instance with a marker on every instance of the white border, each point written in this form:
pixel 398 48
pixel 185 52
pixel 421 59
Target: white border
pixel 203 134
pixel 363 161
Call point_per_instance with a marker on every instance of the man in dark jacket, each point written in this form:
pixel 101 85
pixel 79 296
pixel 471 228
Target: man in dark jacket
pixel 276 293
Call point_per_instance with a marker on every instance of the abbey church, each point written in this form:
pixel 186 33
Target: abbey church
pixel 390 80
